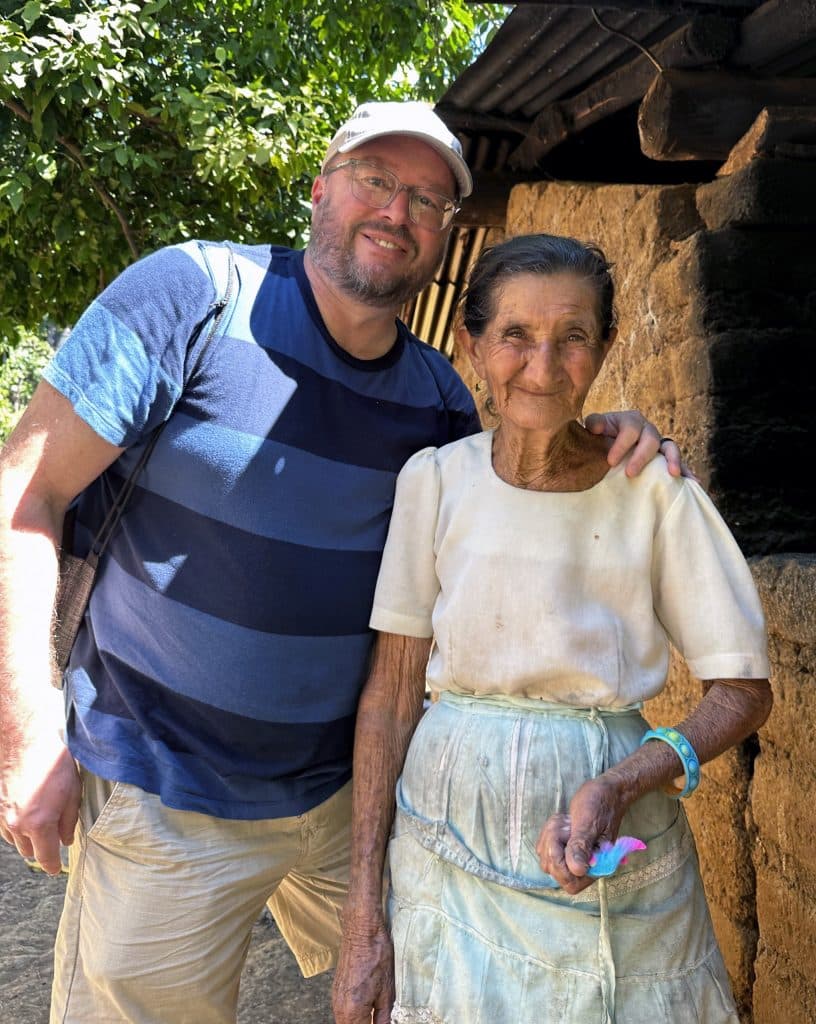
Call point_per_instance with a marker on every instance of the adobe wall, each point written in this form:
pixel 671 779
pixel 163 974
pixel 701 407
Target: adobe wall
pixel 717 303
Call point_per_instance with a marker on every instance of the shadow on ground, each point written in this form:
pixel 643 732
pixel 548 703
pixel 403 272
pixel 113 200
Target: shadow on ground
pixel 272 990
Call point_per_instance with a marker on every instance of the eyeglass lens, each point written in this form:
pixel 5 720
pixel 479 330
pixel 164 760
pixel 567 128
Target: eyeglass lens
pixel 378 187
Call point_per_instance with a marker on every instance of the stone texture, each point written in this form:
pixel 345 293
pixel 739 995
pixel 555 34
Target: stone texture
pixel 774 192
pixel 782 805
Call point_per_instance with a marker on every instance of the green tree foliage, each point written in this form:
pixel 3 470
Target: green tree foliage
pixel 22 357
pixel 126 125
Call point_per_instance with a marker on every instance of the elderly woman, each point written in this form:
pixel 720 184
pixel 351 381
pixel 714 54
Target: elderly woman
pixel 542 589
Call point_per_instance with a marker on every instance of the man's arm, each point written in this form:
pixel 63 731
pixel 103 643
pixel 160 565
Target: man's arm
pixel 390 707
pixel 51 456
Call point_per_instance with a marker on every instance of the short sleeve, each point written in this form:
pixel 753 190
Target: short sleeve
pixel 407 586
pixel 122 365
pixel 704 593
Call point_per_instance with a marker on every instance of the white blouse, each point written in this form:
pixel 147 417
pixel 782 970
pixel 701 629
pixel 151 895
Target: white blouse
pixel 567 597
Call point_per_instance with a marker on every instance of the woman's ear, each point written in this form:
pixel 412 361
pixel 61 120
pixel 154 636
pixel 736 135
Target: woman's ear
pixel 469 344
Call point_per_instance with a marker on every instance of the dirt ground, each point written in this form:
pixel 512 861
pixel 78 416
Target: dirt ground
pixel 272 989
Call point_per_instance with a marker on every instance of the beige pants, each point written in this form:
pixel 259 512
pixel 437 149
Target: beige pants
pixel 160 904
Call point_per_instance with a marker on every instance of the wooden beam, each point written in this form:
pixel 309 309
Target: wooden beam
pixel 785 132
pixel 701 41
pixel 487 206
pixel 469 121
pixel 776 28
pixel 700 115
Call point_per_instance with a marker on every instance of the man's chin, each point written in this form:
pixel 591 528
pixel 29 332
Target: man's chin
pixel 385 289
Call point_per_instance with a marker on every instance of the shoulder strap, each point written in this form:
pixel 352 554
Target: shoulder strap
pixel 221 258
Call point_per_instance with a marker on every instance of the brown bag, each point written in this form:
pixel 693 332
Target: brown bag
pixel 76 580
pixel 77 575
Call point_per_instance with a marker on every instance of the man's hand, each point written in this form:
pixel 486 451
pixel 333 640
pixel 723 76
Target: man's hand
pixel 567 841
pixel 633 432
pixel 39 799
pixel 364 978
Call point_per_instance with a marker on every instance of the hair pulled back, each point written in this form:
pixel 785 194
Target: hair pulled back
pixel 536 254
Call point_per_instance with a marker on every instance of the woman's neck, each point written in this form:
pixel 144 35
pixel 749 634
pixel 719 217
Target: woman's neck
pixel 569 459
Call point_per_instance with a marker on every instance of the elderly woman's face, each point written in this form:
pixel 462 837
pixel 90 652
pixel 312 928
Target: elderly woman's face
pixel 541 351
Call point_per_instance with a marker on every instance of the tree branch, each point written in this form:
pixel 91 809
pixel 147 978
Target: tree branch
pixel 75 153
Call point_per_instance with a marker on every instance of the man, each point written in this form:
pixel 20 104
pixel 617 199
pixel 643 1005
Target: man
pixel 211 694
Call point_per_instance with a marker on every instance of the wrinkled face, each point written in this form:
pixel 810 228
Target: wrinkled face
pixel 379 256
pixel 541 351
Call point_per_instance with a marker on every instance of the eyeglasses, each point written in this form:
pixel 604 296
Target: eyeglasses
pixel 378 188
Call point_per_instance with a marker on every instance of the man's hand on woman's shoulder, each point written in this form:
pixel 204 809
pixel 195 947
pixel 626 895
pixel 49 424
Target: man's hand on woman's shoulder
pixel 632 432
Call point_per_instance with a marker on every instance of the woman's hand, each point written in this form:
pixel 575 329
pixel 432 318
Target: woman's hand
pixel 567 841
pixel 364 978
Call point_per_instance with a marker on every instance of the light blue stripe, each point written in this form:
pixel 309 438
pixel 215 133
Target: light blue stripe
pixel 263 676
pixel 104 370
pixel 304 499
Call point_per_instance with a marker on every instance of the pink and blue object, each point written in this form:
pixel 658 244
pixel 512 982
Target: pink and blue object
pixel 608 857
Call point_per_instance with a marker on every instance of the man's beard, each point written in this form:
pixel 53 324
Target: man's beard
pixel 333 253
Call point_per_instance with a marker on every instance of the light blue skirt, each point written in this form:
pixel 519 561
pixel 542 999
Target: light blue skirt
pixel 483 936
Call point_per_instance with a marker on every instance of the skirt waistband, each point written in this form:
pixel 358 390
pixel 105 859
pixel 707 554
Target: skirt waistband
pixel 501 702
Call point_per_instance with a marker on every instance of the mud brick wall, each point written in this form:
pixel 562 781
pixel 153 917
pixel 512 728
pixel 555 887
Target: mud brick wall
pixel 717 303
pixel 782 809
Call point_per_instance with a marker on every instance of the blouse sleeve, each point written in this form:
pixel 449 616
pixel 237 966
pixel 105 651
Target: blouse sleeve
pixel 407 586
pixel 704 593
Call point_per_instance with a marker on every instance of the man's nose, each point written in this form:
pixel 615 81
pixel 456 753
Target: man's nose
pixel 398 208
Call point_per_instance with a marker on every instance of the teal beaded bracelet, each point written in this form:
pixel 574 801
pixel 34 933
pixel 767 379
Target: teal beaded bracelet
pixel 684 750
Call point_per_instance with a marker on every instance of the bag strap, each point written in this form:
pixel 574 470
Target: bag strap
pixel 215 314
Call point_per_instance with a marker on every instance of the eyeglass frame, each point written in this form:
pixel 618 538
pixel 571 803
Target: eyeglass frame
pixel 410 189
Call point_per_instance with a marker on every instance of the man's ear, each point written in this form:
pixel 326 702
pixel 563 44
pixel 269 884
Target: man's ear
pixel 318 189
pixel 469 344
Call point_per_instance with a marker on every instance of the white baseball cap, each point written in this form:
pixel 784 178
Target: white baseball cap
pixel 372 120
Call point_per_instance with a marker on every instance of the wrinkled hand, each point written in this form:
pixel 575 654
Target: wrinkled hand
pixel 40 791
pixel 567 841
pixel 633 432
pixel 364 978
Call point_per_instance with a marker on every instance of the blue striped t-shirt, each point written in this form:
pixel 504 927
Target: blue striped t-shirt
pixel 227 636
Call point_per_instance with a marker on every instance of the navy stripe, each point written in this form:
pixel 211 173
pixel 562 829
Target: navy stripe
pixel 263 675
pixel 269 750
pixel 283 770
pixel 365 432
pixel 256 582
pixel 321 415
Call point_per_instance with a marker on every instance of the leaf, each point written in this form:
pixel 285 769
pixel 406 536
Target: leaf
pixel 14 194
pixel 46 167
pixel 90 31
pixel 168 98
pixel 30 13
